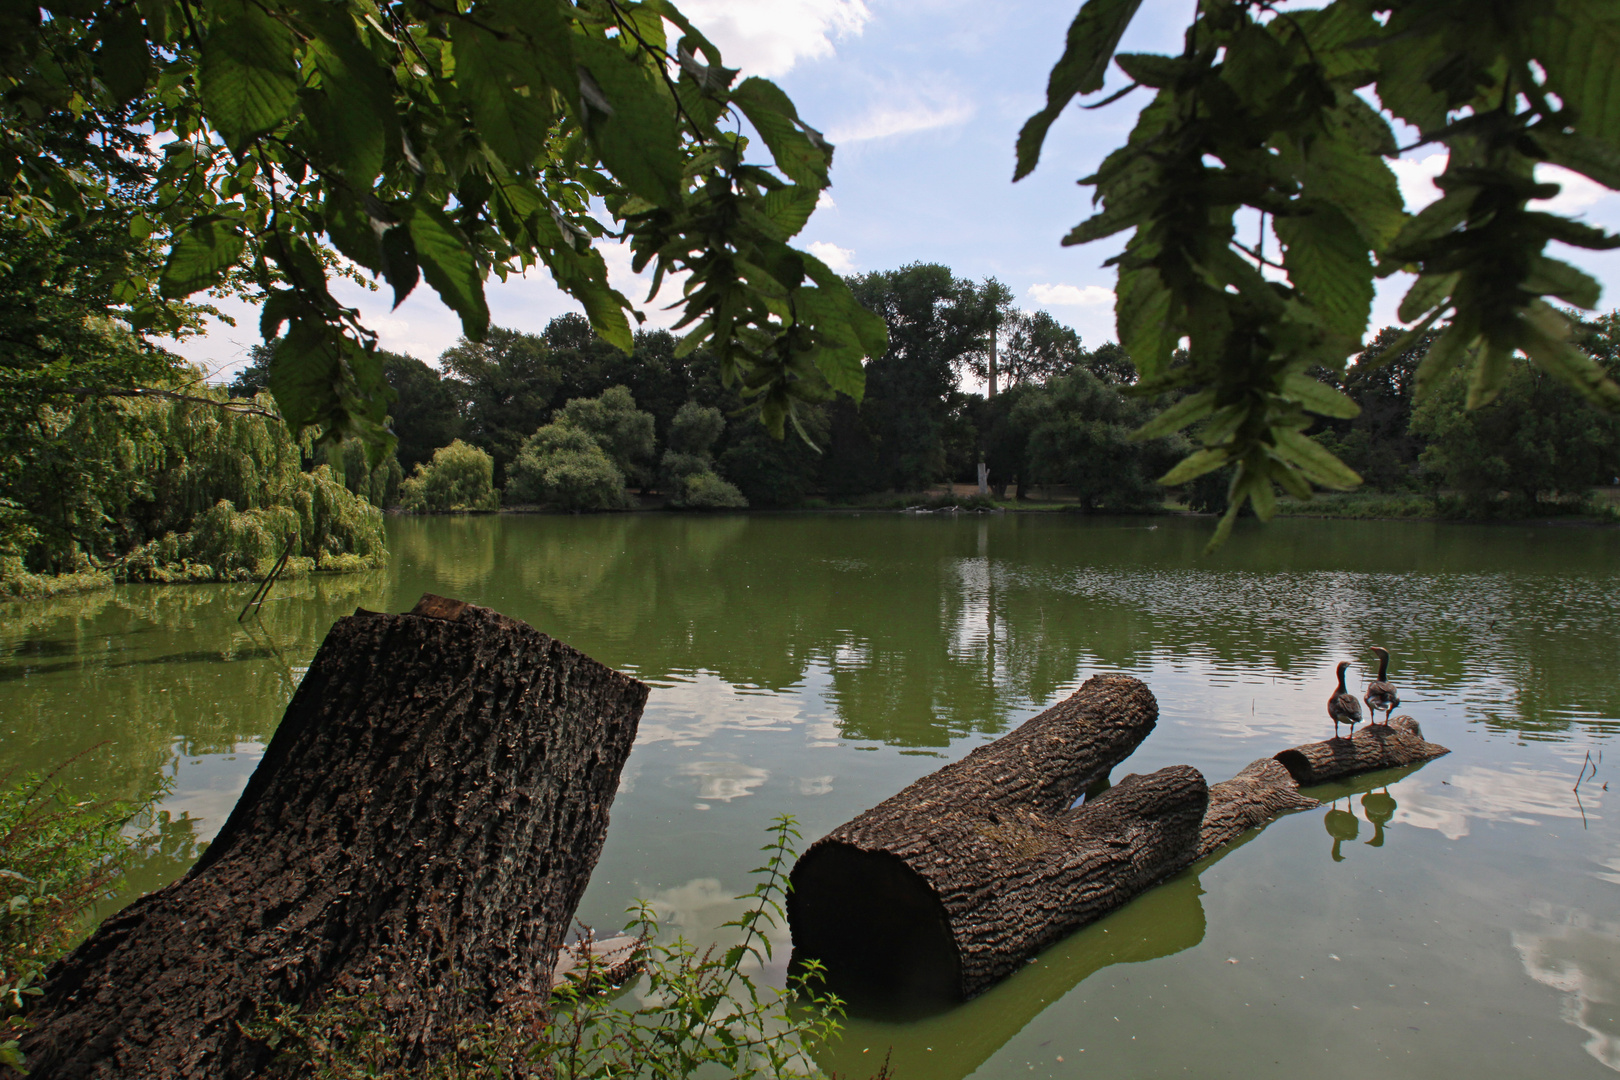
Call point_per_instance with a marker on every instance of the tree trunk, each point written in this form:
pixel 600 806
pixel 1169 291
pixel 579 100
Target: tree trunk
pixel 939 892
pixel 1376 746
pixel 1261 792
pixel 423 824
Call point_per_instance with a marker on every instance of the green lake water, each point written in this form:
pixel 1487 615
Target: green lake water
pixel 815 664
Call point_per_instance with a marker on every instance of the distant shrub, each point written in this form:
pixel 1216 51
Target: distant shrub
pixel 706 491
pixel 460 478
pixel 563 466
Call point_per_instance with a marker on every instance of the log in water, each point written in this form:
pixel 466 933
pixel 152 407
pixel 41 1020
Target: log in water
pixel 939 892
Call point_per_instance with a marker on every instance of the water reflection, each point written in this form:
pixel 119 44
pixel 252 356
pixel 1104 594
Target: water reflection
pixel 1580 957
pixel 1342 826
pixel 1380 807
pixel 954 1044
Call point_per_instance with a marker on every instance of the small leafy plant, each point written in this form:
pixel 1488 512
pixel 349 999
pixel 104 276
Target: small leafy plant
pixel 692 1010
pixel 58 857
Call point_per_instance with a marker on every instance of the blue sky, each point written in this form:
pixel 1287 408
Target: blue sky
pixel 923 100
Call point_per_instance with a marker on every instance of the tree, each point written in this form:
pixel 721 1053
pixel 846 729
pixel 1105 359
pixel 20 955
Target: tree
pixel 424 141
pixel 425 414
pixel 1038 348
pixel 935 323
pixel 1262 112
pixel 564 466
pixel 458 479
pixel 687 470
pixel 1535 439
pixel 507 384
pixel 1080 435
pixel 624 432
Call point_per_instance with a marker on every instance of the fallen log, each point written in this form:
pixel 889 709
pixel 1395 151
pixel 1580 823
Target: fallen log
pixel 940 891
pixel 1258 794
pixel 421 826
pixel 1376 746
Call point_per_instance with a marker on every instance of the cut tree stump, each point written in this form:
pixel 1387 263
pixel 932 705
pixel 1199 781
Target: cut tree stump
pixel 421 826
pixel 939 892
pixel 1376 746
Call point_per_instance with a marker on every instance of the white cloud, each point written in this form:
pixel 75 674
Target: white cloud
pixel 1416 178
pixel 770 37
pixel 902 112
pixel 840 260
pixel 1578 192
pixel 1072 295
pixel 824 201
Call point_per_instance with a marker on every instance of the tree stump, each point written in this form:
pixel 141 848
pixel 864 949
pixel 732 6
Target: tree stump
pixel 1376 746
pixel 422 825
pixel 937 893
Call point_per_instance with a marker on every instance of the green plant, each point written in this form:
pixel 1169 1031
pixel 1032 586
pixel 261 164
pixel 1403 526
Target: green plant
pixel 1267 112
pixel 59 856
pixel 565 467
pixel 691 1011
pixel 458 479
pixel 430 142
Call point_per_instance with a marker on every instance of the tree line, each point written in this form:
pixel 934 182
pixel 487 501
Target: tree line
pixel 565 419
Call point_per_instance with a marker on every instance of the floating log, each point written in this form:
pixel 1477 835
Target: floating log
pixel 422 826
pixel 1261 792
pixel 940 891
pixel 1376 746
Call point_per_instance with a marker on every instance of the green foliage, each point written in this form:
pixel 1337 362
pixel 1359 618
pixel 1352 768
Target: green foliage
pixel 706 491
pixel 774 472
pixel 1081 435
pixel 692 1012
pixel 695 429
pixel 1263 111
pixel 503 384
pixel 422 141
pixel 565 467
pixel 59 856
pixel 937 324
pixel 686 472
pixel 459 479
pixel 187 487
pixel 624 432
pixel 1533 441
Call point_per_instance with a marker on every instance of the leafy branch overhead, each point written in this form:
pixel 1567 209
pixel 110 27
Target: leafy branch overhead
pixel 1288 113
pixel 436 140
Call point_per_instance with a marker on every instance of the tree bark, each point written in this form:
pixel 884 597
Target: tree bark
pixel 422 825
pixel 1261 792
pixel 939 892
pixel 1376 746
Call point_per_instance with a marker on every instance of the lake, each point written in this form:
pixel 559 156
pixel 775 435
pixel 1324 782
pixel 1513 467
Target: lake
pixel 814 664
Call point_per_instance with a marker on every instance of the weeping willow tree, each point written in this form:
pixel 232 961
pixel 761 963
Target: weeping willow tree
pixel 186 487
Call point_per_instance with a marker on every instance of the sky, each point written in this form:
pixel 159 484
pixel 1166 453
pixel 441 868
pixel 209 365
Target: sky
pixel 923 100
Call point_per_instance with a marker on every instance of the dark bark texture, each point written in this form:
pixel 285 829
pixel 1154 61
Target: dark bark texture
pixel 422 826
pixel 1261 792
pixel 1376 746
pixel 939 892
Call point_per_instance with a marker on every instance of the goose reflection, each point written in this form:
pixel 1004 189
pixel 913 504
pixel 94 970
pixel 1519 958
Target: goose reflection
pixel 1342 825
pixel 1379 806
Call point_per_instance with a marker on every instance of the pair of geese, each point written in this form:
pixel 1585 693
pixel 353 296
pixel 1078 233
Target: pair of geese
pixel 1381 696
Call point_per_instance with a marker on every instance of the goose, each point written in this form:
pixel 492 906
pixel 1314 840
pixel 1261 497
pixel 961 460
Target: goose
pixel 1381 695
pixel 1342 705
